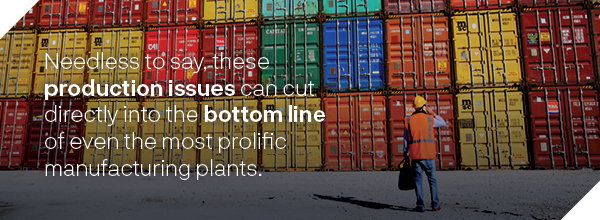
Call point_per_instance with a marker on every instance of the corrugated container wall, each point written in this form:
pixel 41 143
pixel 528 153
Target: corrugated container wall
pixel 112 145
pixel 491 126
pixel 116 43
pixel 565 127
pixel 303 139
pixel 442 103
pixel 227 11
pixel 301 39
pixel 412 6
pixel 57 44
pixel 64 13
pixel 230 40
pixel 289 9
pixel 172 12
pixel 14 132
pixel 486 49
pixel 17 51
pixel 355 130
pixel 117 13
pixel 345 8
pixel 210 154
pixel 418 52
pixel 164 45
pixel 542 3
pixel 558 50
pixel 40 129
pixel 596 34
pixel 29 20
pixel 354 54
pixel 464 5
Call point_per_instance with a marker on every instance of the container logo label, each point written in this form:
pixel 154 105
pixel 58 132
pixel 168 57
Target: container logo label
pixel 461 25
pixel 44 42
pixel 442 65
pixel 553 107
pixel 532 38
pixel 220 41
pixel 545 36
pixel 467 104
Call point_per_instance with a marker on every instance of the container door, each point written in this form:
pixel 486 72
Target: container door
pixel 582 123
pixel 97 128
pixel 158 48
pixel 275 47
pixel 4 61
pixel 14 133
pixel 186 11
pixel 420 6
pixel 574 46
pixel 339 143
pixel 244 45
pixel 75 45
pixel 130 45
pixel 216 44
pixel 242 10
pixel 470 52
pixel 104 12
pixel 185 131
pixel 216 10
pixel 435 52
pixel 126 151
pixel 339 55
pixel 306 140
pixel 131 12
pixel 69 129
pixel 403 58
pixel 156 154
pixel 158 11
pixel 548 128
pixel 596 34
pixel 474 123
pixel 273 158
pixel 508 127
pixel 480 4
pixel 275 9
pixel 338 7
pixel 504 67
pixel 29 19
pixel 366 6
pixel 369 46
pixel 76 12
pixel 51 12
pixel 186 48
pixel 243 129
pixel 539 37
pixel 20 66
pixel 211 153
pixel 38 154
pixel 305 68
pixel 370 133
pixel 305 8
pixel 50 45
pixel 104 45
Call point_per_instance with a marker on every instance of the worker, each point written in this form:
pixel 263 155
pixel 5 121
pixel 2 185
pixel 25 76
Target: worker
pixel 419 149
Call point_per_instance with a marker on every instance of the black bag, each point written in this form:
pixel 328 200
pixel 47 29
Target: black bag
pixel 406 179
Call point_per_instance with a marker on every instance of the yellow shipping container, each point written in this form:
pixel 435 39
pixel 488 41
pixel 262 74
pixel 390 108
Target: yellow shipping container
pixel 17 51
pixel 59 44
pixel 222 11
pixel 299 153
pixel 492 128
pixel 230 130
pixel 175 139
pixel 486 47
pixel 121 151
pixel 117 43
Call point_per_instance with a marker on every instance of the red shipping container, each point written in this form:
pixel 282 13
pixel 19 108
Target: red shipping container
pixel 231 41
pixel 565 127
pixel 541 3
pixel 557 46
pixel 464 5
pixel 29 20
pixel 38 155
pixel 414 6
pixel 174 12
pixel 442 103
pixel 164 45
pixel 418 52
pixel 596 35
pixel 355 130
pixel 64 13
pixel 117 13
pixel 14 132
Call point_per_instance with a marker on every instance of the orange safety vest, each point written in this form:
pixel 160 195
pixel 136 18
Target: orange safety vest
pixel 420 129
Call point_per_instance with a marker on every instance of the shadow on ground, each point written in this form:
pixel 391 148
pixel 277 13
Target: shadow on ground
pixel 366 204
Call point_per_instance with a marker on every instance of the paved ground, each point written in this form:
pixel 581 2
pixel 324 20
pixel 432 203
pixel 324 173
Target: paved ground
pixel 505 194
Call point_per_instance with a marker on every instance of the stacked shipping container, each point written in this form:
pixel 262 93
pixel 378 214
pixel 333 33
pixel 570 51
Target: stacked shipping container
pixel 365 60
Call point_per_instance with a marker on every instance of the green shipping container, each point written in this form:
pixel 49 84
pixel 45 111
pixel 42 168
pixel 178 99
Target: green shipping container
pixel 292 48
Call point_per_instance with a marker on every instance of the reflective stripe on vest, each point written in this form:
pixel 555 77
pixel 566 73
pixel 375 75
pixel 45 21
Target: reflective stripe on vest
pixel 428 129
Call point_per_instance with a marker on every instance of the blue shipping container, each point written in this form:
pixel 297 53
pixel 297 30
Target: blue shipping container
pixel 293 9
pixel 353 58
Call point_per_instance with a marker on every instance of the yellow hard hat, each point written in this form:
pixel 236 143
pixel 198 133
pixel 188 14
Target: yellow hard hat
pixel 419 102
